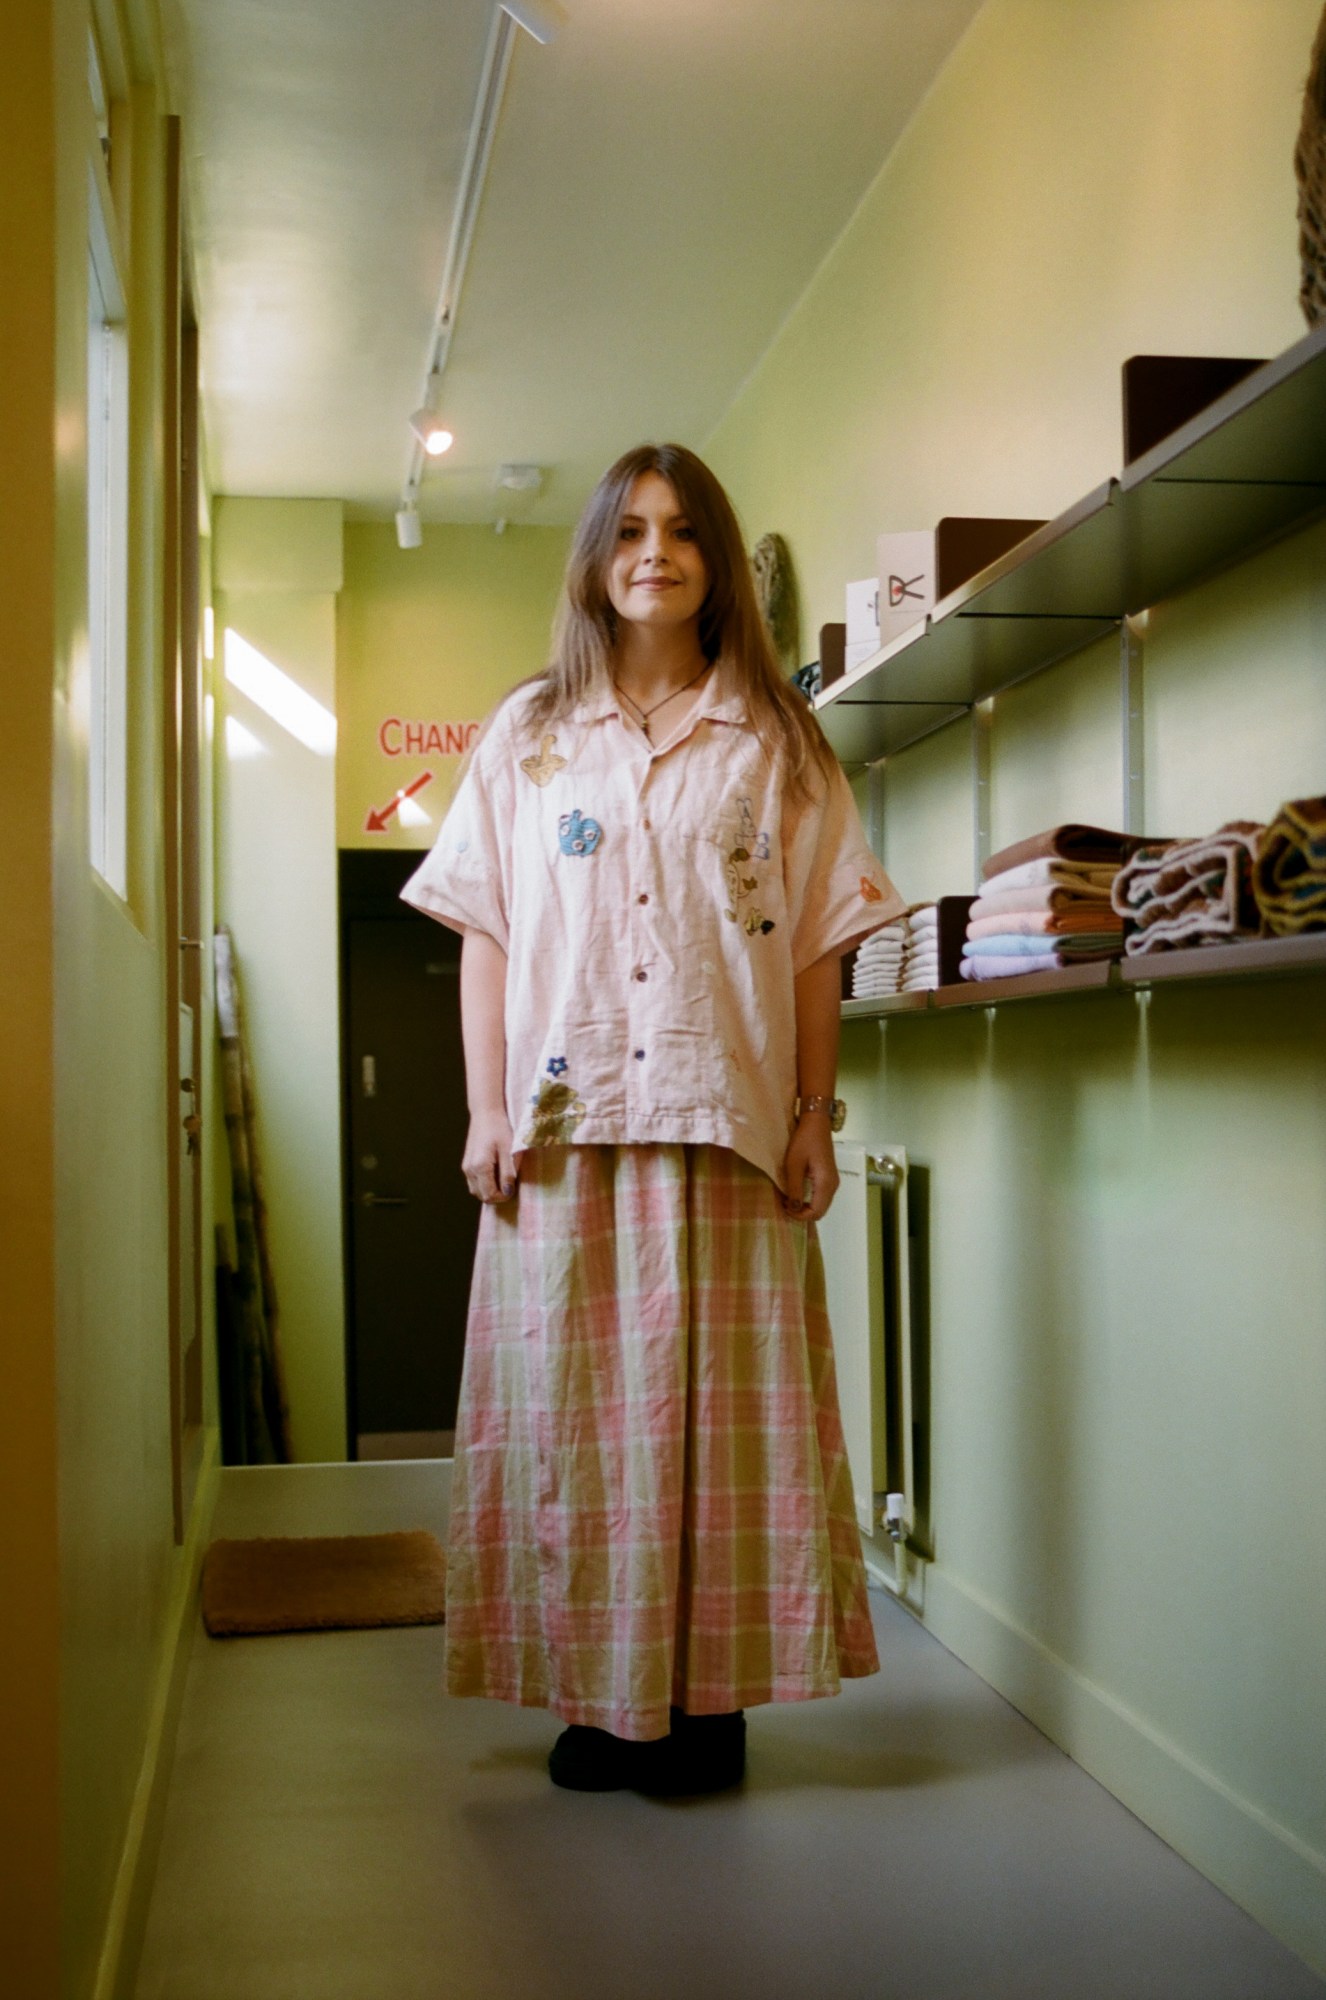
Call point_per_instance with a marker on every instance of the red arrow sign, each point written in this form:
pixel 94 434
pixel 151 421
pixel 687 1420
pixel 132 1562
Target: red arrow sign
pixel 377 822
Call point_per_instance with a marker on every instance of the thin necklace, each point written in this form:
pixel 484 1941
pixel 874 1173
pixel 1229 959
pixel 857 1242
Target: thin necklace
pixel 645 713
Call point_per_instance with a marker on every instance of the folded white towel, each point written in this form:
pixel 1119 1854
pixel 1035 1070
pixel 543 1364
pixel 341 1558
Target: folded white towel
pixel 1049 872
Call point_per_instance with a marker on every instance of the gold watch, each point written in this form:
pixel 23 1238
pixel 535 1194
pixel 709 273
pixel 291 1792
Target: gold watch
pixel 835 1106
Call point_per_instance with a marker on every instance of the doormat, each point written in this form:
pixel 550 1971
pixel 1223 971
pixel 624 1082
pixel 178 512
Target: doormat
pixel 323 1583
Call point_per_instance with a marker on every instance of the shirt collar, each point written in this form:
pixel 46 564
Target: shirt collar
pixel 717 703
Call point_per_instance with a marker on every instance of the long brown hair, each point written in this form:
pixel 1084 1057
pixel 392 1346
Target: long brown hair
pixel 732 633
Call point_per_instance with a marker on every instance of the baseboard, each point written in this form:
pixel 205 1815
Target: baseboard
pixel 127 1918
pixel 1272 1874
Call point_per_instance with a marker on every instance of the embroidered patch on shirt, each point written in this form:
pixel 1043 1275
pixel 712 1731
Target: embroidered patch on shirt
pixel 543 768
pixel 578 835
pixel 751 845
pixel 757 842
pixel 557 1112
pixel 869 891
pixel 556 1067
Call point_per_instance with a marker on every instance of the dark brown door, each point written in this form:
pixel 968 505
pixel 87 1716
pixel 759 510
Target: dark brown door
pixel 411 1221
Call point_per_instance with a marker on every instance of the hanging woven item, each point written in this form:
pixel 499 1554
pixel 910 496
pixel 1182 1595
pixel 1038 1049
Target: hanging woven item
pixel 266 1417
pixel 776 590
pixel 1310 167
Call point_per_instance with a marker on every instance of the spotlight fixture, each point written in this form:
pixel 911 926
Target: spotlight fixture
pixel 409 528
pixel 431 432
pixel 518 487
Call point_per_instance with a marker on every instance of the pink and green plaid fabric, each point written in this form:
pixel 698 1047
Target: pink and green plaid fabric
pixel 651 1502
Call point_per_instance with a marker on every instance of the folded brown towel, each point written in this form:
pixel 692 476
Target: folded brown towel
pixel 1192 892
pixel 1289 873
pixel 1094 844
pixel 994 902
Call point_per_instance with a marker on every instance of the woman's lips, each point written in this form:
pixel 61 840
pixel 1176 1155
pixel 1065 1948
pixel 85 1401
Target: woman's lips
pixel 655 583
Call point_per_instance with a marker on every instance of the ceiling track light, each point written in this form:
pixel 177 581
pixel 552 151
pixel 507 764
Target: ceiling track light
pixel 431 432
pixel 540 19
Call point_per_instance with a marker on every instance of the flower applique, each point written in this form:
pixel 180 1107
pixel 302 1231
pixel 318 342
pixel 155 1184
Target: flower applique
pixel 752 845
pixel 556 1066
pixel 870 892
pixel 557 1112
pixel 578 835
pixel 544 767
pixel 462 846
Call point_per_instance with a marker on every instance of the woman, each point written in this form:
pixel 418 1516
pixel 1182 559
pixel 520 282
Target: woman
pixel 656 864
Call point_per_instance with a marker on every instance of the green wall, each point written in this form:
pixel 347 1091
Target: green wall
pixel 1128 1271
pixel 437 633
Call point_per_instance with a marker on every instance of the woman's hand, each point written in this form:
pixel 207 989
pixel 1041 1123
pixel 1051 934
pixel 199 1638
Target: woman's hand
pixel 487 1165
pixel 810 1160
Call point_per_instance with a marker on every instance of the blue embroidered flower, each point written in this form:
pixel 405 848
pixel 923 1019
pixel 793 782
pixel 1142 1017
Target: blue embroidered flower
pixel 578 835
pixel 557 1065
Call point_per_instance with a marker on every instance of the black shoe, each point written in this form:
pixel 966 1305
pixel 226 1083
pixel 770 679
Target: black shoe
pixel 703 1753
pixel 590 1760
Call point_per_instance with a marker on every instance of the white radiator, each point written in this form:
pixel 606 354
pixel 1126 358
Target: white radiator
pixel 869 1212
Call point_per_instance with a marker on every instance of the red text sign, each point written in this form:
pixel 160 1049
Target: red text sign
pixel 398 738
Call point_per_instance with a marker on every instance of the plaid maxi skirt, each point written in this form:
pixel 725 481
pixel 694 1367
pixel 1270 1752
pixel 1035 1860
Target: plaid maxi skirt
pixel 651 1501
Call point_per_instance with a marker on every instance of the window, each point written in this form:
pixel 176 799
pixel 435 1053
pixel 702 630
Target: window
pixel 107 541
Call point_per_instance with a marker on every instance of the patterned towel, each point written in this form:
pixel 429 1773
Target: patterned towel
pixel 1192 892
pixel 1289 874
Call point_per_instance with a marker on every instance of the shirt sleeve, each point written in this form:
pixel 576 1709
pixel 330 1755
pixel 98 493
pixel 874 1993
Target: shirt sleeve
pixel 837 891
pixel 466 879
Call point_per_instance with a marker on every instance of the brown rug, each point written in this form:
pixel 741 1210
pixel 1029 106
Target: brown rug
pixel 323 1583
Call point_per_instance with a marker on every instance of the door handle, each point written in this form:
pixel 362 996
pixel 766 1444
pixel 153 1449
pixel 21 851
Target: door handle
pixel 372 1200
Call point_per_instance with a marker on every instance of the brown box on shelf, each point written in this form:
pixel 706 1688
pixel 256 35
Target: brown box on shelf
pixel 833 653
pixel 1162 391
pixel 965 544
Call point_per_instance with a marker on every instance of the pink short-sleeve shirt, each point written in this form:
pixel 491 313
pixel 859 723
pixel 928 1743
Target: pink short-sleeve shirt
pixel 655 904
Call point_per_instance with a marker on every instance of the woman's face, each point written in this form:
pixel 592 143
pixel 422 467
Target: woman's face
pixel 656 574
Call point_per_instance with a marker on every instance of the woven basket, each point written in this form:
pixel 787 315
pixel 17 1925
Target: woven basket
pixel 1310 166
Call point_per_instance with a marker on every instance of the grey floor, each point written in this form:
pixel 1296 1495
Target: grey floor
pixel 338 1830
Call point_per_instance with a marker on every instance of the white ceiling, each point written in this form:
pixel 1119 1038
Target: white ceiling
pixel 666 177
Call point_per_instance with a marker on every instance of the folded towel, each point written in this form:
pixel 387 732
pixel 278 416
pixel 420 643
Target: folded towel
pixel 879 989
pixel 1047 923
pixel 1081 876
pixel 1008 968
pixel 1096 845
pixel 923 916
pixel 1073 945
pixel 1289 874
pixel 1050 897
pixel 1192 892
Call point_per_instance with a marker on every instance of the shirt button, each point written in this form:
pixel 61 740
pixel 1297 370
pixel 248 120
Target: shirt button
pixel 639 1055
pixel 640 972
pixel 642 899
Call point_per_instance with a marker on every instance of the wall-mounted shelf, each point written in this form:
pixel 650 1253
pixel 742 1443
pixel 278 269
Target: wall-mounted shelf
pixel 1258 958
pixel 1245 471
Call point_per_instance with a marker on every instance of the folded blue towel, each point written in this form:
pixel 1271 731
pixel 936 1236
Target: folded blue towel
pixel 1014 944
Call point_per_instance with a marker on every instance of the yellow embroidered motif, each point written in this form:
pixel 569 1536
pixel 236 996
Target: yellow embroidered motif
pixel 557 1112
pixel 546 765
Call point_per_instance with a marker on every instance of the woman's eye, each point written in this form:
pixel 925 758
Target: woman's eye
pixel 685 534
pixel 629 535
